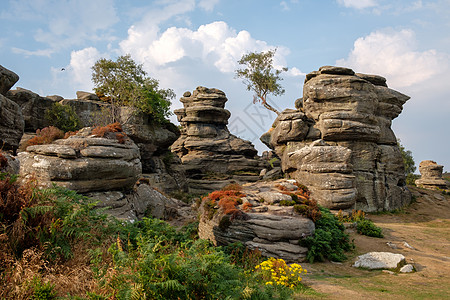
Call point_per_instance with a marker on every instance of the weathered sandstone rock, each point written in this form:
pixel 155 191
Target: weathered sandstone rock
pixel 265 225
pixel 431 175
pixel 84 163
pixel 11 124
pixel 7 80
pixel 339 141
pixel 142 201
pixel 380 260
pixel 87 96
pixel 208 151
pixel 33 108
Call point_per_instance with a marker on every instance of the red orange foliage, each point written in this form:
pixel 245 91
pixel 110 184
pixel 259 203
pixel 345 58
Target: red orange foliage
pixel 227 200
pixel 111 130
pixel 45 136
pixel 246 206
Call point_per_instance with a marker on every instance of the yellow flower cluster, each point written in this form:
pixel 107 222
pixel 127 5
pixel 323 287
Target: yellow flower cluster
pixel 277 272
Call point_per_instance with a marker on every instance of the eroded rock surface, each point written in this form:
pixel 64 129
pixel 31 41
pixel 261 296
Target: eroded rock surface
pixel 380 260
pixel 431 175
pixel 210 154
pixel 33 108
pixel 84 163
pixel 339 141
pixel 11 117
pixel 263 223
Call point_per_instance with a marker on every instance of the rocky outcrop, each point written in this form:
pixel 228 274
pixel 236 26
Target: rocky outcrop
pixel 84 163
pixel 143 201
pixel 260 222
pixel 431 175
pixel 11 118
pixel 87 96
pixel 7 79
pixel 339 141
pixel 210 154
pixel 33 108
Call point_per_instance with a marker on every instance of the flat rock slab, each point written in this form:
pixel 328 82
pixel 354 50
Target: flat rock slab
pixel 380 260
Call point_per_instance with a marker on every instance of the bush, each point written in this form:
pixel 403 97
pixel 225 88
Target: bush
pixel 113 130
pixel 63 117
pixel 367 227
pixel 329 240
pixel 45 136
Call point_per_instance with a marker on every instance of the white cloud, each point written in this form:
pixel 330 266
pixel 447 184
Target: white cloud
pixel 358 4
pixel 80 65
pixel 40 52
pixel 208 5
pixel 393 55
pixel 284 6
pixel 215 44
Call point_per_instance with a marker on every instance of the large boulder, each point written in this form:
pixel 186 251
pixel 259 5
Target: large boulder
pixel 11 124
pixel 83 162
pixel 260 221
pixel 431 175
pixel 340 143
pixel 208 151
pixel 33 108
pixel 7 79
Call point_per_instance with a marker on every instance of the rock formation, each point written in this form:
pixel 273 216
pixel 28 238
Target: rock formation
pixel 262 223
pixel 339 141
pixel 210 154
pixel 431 175
pixel 107 169
pixel 33 108
pixel 11 118
pixel 84 163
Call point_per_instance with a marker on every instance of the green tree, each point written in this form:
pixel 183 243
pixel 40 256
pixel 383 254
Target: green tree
pixel 261 77
pixel 63 117
pixel 408 162
pixel 127 84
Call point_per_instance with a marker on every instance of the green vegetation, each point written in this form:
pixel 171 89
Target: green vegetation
pixel 363 226
pixel 63 117
pixel 329 240
pixel 126 83
pixel 261 77
pixel 367 227
pixel 54 243
pixel 408 162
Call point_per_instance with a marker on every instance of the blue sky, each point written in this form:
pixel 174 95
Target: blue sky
pixel 189 43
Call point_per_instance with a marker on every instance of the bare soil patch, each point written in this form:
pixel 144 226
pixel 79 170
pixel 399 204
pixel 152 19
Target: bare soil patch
pixel 425 226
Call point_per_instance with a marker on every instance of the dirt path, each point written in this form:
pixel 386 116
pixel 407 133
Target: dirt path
pixel 425 226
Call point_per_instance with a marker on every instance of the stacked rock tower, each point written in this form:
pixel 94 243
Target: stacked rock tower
pixel 210 154
pixel 339 141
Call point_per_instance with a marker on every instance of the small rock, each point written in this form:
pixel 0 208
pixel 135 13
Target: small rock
pixel 407 269
pixel 388 272
pixel 408 246
pixel 392 245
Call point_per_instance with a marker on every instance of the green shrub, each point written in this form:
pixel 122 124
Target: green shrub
pixel 329 240
pixel 42 291
pixel 367 227
pixel 287 202
pixel 63 117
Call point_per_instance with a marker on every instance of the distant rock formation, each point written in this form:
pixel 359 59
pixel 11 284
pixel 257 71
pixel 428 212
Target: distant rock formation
pixel 11 118
pixel 431 175
pixel 263 223
pixel 210 154
pixel 339 142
